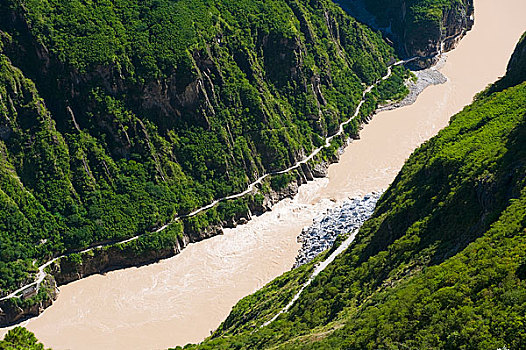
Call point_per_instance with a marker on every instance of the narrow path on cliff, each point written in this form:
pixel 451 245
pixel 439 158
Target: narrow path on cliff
pixel 41 275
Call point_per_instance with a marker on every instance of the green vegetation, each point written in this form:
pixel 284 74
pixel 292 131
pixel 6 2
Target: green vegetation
pixel 442 262
pixel 20 339
pixel 117 116
pixel 394 88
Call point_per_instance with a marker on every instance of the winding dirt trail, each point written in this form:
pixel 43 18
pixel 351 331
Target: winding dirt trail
pixel 182 299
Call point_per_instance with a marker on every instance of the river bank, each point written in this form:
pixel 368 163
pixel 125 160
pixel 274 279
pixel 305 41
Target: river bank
pixel 181 299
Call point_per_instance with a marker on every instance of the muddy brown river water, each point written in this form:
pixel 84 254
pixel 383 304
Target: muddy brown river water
pixel 180 300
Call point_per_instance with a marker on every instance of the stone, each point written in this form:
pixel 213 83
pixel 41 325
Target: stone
pixel 324 231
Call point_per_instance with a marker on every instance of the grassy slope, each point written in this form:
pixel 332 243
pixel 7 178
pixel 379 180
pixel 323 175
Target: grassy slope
pixel 442 262
pixel 117 115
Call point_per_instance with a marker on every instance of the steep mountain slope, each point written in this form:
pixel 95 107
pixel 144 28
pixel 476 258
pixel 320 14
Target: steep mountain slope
pixel 516 68
pixel 419 27
pixel 116 116
pixel 440 265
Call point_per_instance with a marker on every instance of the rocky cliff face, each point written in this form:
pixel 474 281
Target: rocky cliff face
pixel 418 28
pixel 516 71
pixel 33 304
pixel 425 37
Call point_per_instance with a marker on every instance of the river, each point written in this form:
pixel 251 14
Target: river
pixel 180 300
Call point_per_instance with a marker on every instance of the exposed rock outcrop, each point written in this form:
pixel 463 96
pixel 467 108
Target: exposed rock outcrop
pixel 421 38
pixel 31 304
pixel 328 227
pixel 516 71
pixel 423 30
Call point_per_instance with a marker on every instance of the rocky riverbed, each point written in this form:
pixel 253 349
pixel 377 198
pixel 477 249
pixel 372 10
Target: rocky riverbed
pixel 326 228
